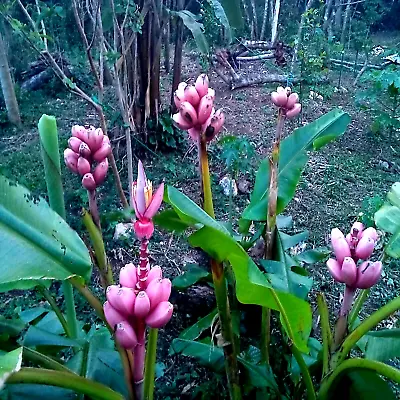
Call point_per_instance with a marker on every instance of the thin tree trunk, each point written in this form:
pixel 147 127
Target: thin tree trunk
pixel 299 35
pixel 345 21
pixel 274 27
pixel 327 14
pixel 246 14
pixel 264 22
pixel 338 15
pixel 178 53
pixel 166 38
pixel 255 22
pixel 7 86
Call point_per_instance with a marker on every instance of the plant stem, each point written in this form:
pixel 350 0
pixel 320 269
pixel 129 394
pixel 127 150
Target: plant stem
pixel 93 207
pixel 51 161
pixel 371 322
pixel 326 332
pixel 99 249
pixel 50 299
pixel 43 360
pixel 220 286
pixel 97 306
pixel 357 363
pixel 65 380
pixel 304 372
pixel 357 306
pixel 270 229
pixel 150 367
pixel 341 324
pixel 265 333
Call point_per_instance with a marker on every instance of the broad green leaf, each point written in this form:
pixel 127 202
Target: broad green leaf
pixel 36 244
pixel 39 337
pixel 223 19
pixel 9 363
pixel 194 331
pixel 190 21
pixel 310 359
pixel 169 219
pixel 259 376
pixel 31 314
pixel 193 275
pixel 284 279
pixel 98 360
pixel 289 241
pixel 25 391
pixel 252 287
pixel 360 384
pixel 234 12
pixel 207 355
pixel 293 158
pixel 11 327
pixel 387 218
pixel 312 256
pixel 381 345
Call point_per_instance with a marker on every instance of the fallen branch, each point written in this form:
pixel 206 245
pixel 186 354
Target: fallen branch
pixel 352 64
pixel 258 80
pixel 256 57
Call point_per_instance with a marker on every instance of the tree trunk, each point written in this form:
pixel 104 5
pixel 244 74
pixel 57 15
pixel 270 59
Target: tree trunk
pixel 178 54
pixel 338 15
pixel 264 22
pixel 274 27
pixel 345 21
pixel 246 14
pixel 255 22
pixel 299 36
pixel 327 14
pixel 166 38
pixel 7 86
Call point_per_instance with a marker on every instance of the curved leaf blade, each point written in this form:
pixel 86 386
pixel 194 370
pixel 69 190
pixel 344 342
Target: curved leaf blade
pixel 36 244
pixel 252 287
pixel 292 160
pixel 9 363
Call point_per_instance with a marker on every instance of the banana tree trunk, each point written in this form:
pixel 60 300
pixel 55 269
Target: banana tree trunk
pixel 7 86
pixel 274 27
pixel 255 22
pixel 166 39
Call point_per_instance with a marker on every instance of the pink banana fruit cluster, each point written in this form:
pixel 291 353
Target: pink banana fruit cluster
pixel 287 101
pixel 86 155
pixel 196 113
pixel 140 300
pixel 352 265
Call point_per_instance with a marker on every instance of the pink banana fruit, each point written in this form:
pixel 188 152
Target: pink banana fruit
pixel 294 112
pixel 188 113
pixel 201 85
pixel 83 166
pixel 180 122
pixel 71 160
pixel 88 182
pixel 126 335
pixel 204 109
pixel 160 315
pixel 191 95
pixel 128 276
pixel 100 172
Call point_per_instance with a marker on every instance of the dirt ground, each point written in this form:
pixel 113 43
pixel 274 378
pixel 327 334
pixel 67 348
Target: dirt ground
pixel 338 183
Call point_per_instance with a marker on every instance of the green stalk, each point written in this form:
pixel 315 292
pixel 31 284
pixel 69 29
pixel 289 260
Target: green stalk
pixel 357 363
pixel 64 380
pixel 99 249
pixel 50 299
pixel 304 372
pixel 220 286
pixel 51 161
pixel 270 230
pixel 368 324
pixel 150 365
pixel 357 306
pixel 43 360
pixel 326 332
